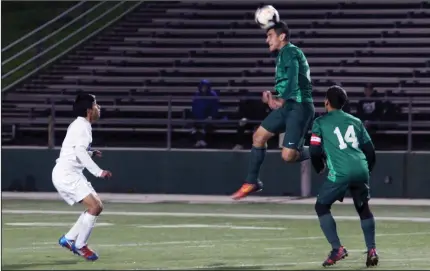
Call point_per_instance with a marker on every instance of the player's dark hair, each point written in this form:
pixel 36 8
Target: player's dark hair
pixel 336 96
pixel 83 102
pixel 281 28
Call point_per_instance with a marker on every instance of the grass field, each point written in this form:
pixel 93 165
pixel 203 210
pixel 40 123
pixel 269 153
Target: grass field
pixel 209 236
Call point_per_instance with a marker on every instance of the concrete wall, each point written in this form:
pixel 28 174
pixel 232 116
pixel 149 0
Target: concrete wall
pixel 396 174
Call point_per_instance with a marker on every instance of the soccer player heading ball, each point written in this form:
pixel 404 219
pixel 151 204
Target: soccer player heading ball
pixel 69 180
pixel 292 105
pixel 341 143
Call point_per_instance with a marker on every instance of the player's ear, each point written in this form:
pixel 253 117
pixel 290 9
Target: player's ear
pixel 282 37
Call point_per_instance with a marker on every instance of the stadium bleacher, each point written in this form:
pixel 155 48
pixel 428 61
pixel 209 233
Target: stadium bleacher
pixel 163 49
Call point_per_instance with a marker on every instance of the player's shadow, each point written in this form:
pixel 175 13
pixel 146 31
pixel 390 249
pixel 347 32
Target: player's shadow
pixel 36 264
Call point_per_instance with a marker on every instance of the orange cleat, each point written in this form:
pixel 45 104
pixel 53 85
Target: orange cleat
pixel 247 189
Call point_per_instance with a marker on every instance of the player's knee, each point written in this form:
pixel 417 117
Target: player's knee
pixel 96 209
pixel 260 137
pixel 289 155
pixel 364 211
pixel 322 209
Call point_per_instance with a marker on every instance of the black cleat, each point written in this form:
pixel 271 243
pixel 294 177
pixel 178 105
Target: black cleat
pixel 372 258
pixel 335 256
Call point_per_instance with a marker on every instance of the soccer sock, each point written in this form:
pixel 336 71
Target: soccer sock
pixel 87 225
pixel 255 161
pixel 368 227
pixel 328 226
pixel 304 154
pixel 74 231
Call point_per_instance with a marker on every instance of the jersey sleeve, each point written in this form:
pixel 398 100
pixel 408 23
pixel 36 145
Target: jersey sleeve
pixel 290 63
pixel 364 138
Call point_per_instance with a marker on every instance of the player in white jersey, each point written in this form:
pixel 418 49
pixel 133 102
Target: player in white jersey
pixel 68 178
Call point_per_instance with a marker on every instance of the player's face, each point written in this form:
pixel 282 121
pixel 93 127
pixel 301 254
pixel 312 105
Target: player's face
pixel 95 112
pixel 273 40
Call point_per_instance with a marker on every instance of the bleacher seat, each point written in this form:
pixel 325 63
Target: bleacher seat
pixel 165 48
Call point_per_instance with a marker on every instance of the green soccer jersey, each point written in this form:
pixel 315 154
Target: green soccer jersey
pixel 340 135
pixel 292 76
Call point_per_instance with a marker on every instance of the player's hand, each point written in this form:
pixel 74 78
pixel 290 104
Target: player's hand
pixel 266 96
pixel 106 174
pixel 97 153
pixel 275 103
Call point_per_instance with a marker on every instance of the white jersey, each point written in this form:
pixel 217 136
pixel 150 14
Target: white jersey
pixel 75 150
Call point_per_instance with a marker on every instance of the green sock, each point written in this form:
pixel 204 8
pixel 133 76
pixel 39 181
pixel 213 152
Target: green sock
pixel 368 227
pixel 304 154
pixel 328 226
pixel 255 161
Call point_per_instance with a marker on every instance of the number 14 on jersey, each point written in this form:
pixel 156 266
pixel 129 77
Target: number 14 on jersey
pixel 349 137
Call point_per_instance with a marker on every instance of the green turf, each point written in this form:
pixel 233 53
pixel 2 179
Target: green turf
pixel 272 244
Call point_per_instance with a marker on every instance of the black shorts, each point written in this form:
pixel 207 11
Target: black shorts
pixel 295 119
pixel 330 192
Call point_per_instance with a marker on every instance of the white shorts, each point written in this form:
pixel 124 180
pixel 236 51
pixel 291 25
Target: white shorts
pixel 71 185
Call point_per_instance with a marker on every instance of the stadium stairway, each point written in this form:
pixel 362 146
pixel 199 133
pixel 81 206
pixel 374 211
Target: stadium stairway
pixel 164 49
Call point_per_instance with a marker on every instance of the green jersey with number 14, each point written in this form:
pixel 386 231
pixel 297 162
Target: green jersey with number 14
pixel 292 77
pixel 340 134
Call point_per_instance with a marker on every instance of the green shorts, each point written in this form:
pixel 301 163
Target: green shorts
pixel 295 119
pixel 330 192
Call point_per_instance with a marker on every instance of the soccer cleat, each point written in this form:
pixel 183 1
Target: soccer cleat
pixel 335 256
pixel 66 243
pixel 85 252
pixel 247 189
pixel 372 258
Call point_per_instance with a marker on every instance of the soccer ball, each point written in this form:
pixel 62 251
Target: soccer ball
pixel 266 16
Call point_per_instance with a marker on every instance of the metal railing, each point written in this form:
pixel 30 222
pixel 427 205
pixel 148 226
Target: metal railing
pixel 170 125
pixel 94 20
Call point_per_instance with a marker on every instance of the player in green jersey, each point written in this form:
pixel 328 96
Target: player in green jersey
pixel 340 143
pixel 292 108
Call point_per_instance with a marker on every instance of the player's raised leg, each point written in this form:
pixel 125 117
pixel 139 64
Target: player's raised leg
pixel 360 194
pixel 328 194
pixel 272 124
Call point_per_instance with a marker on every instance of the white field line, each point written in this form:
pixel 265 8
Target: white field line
pixel 51 224
pixel 203 226
pixel 280 248
pixel 50 245
pixel 225 215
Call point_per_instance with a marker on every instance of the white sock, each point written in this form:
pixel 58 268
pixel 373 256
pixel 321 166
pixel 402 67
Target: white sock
pixel 86 227
pixel 74 231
